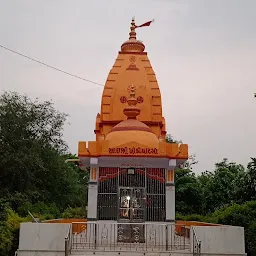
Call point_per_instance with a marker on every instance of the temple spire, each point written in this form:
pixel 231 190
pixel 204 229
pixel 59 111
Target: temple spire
pixel 132 32
pixel 132 44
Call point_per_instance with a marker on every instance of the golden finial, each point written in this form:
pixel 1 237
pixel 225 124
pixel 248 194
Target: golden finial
pixel 132 45
pixel 132 32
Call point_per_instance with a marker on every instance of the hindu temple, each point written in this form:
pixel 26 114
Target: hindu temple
pixel 131 165
pixel 131 190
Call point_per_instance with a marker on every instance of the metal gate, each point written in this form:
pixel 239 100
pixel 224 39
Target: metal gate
pixel 131 204
pixel 131 210
pixel 131 194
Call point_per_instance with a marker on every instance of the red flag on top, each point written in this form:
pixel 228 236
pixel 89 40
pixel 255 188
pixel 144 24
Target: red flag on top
pixel 145 24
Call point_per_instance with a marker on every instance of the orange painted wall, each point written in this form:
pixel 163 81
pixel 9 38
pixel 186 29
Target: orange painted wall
pixel 119 79
pixel 183 227
pixel 78 227
pixel 195 223
pixel 101 148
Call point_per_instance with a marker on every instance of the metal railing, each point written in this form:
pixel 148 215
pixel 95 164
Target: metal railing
pixel 140 237
pixel 196 244
pixel 68 241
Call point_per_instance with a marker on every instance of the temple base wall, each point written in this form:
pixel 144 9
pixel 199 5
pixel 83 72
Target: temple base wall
pixel 42 239
pixel 221 240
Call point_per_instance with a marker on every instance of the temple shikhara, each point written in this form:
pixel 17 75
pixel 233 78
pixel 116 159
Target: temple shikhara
pixel 131 164
pixel 131 190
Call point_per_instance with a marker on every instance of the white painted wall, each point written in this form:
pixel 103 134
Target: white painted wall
pixel 221 239
pixel 42 239
pixel 92 201
pixel 170 203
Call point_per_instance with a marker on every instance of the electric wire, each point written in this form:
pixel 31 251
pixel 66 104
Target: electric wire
pixel 49 66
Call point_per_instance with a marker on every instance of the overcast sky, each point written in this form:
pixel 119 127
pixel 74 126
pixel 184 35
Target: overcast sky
pixel 203 53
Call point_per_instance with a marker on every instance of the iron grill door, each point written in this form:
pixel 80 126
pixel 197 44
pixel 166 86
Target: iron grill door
pixel 131 215
pixel 132 204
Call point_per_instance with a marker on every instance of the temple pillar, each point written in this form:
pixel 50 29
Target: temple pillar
pixel 93 190
pixel 170 192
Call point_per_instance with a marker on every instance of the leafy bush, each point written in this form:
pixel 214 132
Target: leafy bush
pixel 236 215
pixel 251 237
pixel 78 212
pixel 9 232
pixel 49 211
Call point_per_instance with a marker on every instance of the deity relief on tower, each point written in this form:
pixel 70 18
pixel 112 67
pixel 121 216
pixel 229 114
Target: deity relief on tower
pixel 131 89
pixel 131 111
pixel 132 67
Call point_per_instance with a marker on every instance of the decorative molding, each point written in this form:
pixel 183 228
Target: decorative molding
pixel 132 67
pixel 134 53
pixel 123 99
pixel 93 173
pixel 170 176
pixel 140 99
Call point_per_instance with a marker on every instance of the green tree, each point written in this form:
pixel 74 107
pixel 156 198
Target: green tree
pixel 170 139
pixel 13 224
pixel 191 158
pixel 188 192
pixel 5 232
pixel 251 238
pixel 82 181
pixel 240 215
pixel 250 184
pixel 223 186
pixel 78 212
pixel 33 154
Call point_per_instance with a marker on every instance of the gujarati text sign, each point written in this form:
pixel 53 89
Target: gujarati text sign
pixel 133 151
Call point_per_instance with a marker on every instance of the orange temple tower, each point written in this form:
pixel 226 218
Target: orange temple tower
pixel 131 164
pixel 132 67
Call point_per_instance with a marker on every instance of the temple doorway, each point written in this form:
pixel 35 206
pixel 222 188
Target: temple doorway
pixel 131 195
pixel 132 210
pixel 132 204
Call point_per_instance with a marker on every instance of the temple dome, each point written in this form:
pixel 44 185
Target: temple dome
pixel 131 125
pixel 133 45
pixel 132 130
pixel 148 139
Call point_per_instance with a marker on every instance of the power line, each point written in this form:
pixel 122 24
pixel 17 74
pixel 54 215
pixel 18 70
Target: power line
pixel 49 66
